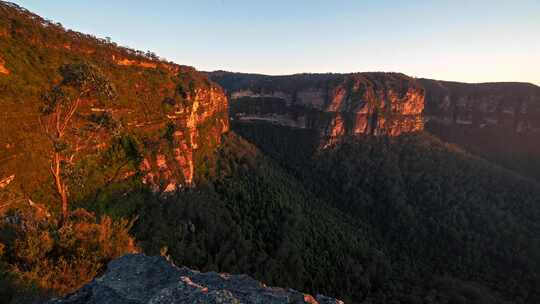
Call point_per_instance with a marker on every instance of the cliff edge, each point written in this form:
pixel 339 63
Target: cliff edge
pixel 336 105
pixel 176 114
pixel 135 279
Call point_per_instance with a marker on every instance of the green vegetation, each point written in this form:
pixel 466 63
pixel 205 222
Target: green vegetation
pixel 41 258
pixel 504 119
pixel 254 218
pixel 61 104
pixel 519 152
pixel 34 51
pixel 447 221
pixel 57 101
pixel 373 220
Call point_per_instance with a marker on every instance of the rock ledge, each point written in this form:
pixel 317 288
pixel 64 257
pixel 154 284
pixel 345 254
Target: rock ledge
pixel 138 279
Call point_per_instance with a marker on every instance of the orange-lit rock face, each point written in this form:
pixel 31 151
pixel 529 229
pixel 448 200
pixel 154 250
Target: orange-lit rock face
pixel 155 97
pixel 3 69
pixel 413 104
pixel 200 124
pixel 169 163
pixel 172 68
pixel 142 64
pixel 309 299
pixel 338 97
pixel 335 105
pixel 4 182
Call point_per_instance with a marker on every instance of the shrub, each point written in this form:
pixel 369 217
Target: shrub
pixel 60 259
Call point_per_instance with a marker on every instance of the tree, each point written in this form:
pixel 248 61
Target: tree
pixel 80 83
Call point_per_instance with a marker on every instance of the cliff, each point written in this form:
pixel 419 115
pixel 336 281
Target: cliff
pixel 511 106
pixel 336 105
pixel 498 121
pixel 140 279
pixel 175 113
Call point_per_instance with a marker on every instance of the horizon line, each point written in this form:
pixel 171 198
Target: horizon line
pixel 212 70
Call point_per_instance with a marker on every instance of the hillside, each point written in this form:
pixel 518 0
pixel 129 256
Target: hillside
pixel 445 219
pixel 153 97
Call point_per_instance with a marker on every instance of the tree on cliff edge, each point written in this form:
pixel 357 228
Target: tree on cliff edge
pixel 80 83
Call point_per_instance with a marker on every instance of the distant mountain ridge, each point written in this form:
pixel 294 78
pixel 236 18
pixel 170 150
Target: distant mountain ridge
pixel 336 105
pixel 511 105
pixel 498 121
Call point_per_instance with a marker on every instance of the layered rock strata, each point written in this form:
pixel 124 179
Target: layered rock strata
pixel 511 106
pixel 334 104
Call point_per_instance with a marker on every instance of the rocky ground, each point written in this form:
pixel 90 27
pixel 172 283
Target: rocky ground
pixel 135 279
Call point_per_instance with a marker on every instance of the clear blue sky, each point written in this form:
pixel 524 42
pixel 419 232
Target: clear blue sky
pixel 473 41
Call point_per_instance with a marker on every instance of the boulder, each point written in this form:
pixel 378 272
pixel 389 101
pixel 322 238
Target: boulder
pixel 140 279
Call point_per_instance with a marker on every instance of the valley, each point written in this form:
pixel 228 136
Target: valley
pixel 364 187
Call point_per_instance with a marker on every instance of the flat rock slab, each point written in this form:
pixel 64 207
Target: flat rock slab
pixel 140 279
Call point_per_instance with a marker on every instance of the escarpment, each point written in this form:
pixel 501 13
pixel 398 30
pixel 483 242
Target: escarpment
pixel 514 107
pixel 333 104
pixel 499 121
pixel 174 113
pixel 196 127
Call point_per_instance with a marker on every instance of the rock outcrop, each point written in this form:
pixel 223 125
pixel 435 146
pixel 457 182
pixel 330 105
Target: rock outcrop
pixel 137 63
pixel 4 182
pixel 139 279
pixel 336 105
pixel 198 123
pixel 3 69
pixel 513 107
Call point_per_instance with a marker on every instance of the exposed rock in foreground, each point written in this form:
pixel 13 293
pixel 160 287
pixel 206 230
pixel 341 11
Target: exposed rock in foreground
pixel 135 279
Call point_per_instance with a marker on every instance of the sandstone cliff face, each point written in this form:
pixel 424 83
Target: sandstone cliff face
pixel 138 279
pixel 155 98
pixel 3 69
pixel 201 123
pixel 513 107
pixel 335 105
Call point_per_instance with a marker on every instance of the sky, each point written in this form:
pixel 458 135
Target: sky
pixel 469 41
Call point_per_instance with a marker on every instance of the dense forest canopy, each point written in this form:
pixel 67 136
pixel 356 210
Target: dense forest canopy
pixel 437 210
